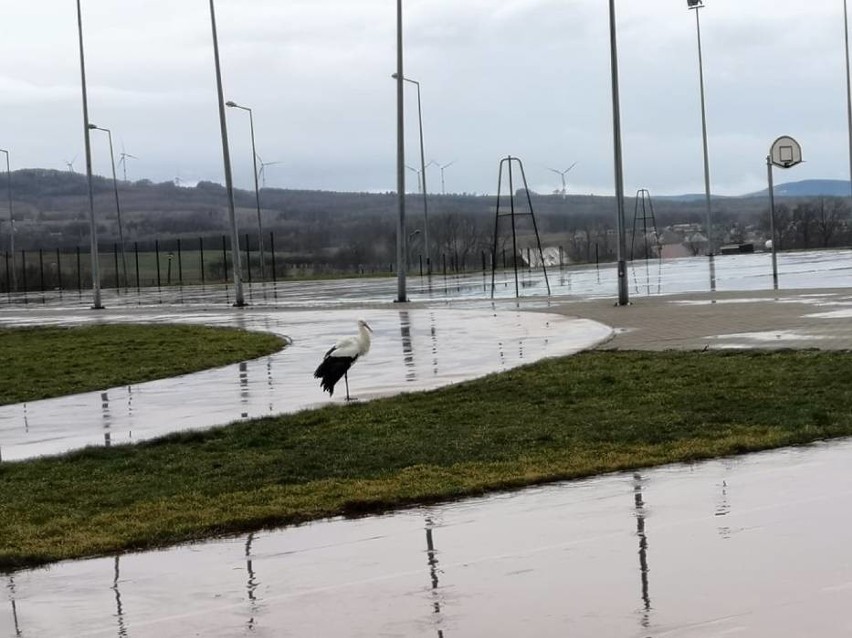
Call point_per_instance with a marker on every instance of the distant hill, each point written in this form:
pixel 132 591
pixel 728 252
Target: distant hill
pixel 809 188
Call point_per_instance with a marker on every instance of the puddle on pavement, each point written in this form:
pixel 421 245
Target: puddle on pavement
pixel 773 338
pixel 754 545
pixel 412 350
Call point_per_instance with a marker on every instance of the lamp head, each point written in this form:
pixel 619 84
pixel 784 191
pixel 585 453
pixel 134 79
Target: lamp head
pixel 92 126
pixel 230 103
pixel 694 4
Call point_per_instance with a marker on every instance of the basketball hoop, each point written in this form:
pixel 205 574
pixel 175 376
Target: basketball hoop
pixel 785 152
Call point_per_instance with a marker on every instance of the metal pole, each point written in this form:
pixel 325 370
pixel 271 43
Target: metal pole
pixel 848 90
pixel 96 276
pixel 696 8
pixel 401 258
pixel 117 202
pixel 226 157
pixel 619 174
pixel 772 222
pixel 11 222
pixel 423 181
pixel 256 187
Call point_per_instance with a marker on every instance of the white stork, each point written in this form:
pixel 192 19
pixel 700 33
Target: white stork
pixel 339 359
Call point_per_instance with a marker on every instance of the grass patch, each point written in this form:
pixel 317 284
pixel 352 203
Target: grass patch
pixel 557 419
pixel 40 363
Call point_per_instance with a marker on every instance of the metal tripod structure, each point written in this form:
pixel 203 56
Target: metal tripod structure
pixel 506 165
pixel 643 210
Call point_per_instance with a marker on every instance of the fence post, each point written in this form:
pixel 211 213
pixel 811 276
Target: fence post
pixel 41 268
pixel 136 250
pixel 58 270
pixel 180 264
pixel 272 250
pixel 201 249
pixel 79 273
pixel 248 257
pixel 225 257
pixel 157 257
pixel 24 268
pixel 117 275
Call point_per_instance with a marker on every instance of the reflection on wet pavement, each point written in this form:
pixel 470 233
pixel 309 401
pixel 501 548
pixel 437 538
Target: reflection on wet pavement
pixel 663 553
pixel 412 350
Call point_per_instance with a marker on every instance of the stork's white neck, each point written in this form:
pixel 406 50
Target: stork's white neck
pixel 364 337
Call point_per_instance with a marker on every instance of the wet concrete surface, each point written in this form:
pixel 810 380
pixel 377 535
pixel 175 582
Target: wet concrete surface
pixel 751 546
pixel 413 349
pixel 646 278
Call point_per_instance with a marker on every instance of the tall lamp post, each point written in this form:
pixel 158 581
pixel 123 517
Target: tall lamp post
pixel 239 301
pixel 117 203
pixel 696 5
pixel 401 248
pixel 256 188
pixel 848 90
pixel 422 175
pixel 96 275
pixel 11 222
pixel 623 299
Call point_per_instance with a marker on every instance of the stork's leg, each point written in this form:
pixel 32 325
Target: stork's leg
pixel 346 379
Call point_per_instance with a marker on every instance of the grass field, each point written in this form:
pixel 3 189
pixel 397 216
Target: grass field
pixel 39 363
pixel 557 419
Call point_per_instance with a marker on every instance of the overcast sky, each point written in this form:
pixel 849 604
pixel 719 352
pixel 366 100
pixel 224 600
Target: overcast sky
pixel 528 78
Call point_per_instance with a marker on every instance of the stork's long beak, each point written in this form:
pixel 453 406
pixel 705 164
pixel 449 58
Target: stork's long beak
pixel 367 326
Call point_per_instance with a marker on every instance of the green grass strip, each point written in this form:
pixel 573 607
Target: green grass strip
pixel 40 363
pixel 557 419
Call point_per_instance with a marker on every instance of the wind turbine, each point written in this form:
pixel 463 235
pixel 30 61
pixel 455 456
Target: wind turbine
pixel 70 164
pixel 563 174
pixel 262 172
pixel 123 160
pixel 443 167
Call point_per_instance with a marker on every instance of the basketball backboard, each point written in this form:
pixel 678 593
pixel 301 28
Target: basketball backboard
pixel 785 152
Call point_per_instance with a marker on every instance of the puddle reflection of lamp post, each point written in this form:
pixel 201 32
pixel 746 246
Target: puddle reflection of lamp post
pixel 226 158
pixel 785 152
pixel 256 188
pixel 639 503
pixel 11 222
pixel 117 204
pixel 696 5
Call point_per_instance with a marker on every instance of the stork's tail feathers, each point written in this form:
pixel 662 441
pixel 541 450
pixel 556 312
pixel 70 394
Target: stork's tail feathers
pixel 331 370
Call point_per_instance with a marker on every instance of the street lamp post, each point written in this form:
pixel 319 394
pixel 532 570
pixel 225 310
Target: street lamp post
pixel 623 299
pixel 848 90
pixel 697 5
pixel 422 175
pixel 226 158
pixel 256 188
pixel 11 222
pixel 117 202
pixel 96 275
pixel 401 249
